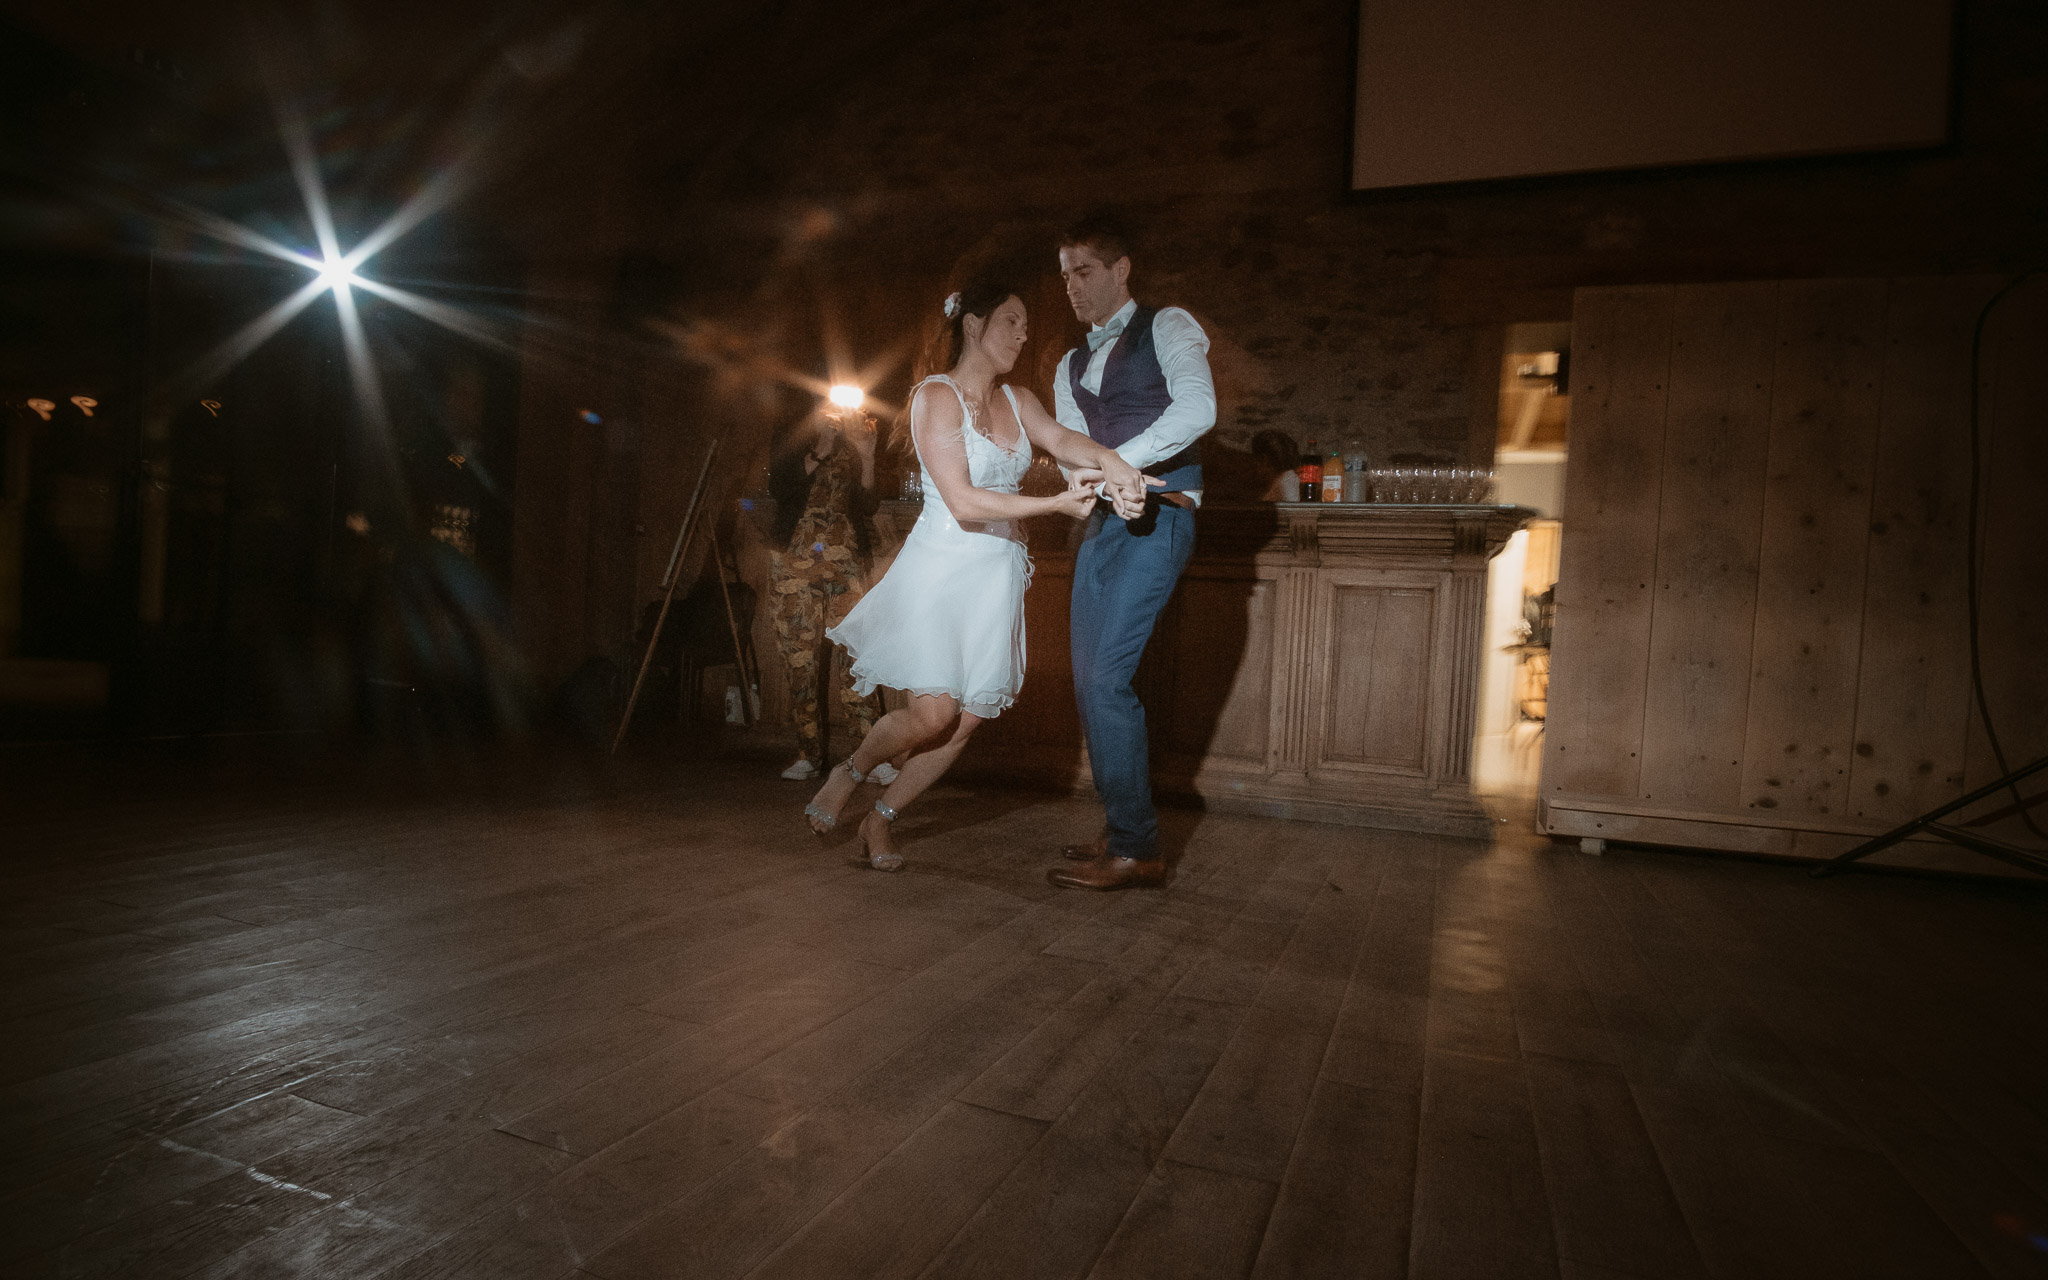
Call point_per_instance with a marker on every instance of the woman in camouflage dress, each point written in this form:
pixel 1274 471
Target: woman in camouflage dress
pixel 822 476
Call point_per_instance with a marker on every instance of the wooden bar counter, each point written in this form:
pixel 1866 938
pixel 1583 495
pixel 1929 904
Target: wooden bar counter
pixel 1318 661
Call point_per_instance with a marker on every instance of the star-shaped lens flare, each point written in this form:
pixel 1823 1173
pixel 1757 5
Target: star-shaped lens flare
pixel 334 270
pixel 338 275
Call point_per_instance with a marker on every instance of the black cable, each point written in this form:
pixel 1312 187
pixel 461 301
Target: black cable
pixel 1976 487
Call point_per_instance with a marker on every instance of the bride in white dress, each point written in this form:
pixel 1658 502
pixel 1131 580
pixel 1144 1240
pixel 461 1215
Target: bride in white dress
pixel 946 622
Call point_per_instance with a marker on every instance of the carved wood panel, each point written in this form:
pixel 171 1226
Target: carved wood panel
pixel 1379 642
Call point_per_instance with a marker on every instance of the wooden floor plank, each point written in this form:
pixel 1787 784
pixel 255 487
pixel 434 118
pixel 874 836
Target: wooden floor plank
pixel 1608 1196
pixel 554 1227
pixel 1188 1222
pixel 609 1108
pixel 383 1225
pixel 1348 1196
pixel 1056 1210
pixel 733 1222
pixel 1481 1205
pixel 1378 1039
pixel 897 1217
pixel 825 1060
pixel 1245 1118
pixel 1041 1076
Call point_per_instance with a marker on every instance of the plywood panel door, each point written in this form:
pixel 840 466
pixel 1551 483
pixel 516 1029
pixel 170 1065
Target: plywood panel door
pixel 1807 662
pixel 1621 352
pixel 1913 692
pixel 1379 676
pixel 1717 432
pixel 1810 571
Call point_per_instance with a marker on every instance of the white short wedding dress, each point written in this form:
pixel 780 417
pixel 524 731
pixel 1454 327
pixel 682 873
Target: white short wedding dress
pixel 948 616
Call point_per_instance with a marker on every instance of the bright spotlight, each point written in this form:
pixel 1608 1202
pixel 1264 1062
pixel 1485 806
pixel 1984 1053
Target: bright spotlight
pixel 337 275
pixel 847 397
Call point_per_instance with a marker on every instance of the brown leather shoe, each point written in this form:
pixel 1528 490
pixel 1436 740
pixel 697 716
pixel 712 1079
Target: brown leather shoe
pixel 1094 849
pixel 1111 873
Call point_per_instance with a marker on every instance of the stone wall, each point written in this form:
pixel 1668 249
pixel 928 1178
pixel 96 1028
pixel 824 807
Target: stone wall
pixel 1222 129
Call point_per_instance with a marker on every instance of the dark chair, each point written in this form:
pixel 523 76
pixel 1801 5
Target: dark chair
pixel 698 636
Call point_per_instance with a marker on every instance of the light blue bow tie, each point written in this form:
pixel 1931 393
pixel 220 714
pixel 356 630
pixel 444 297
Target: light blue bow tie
pixel 1096 337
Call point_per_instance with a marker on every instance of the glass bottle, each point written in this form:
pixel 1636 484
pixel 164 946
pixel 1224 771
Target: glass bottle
pixel 1310 473
pixel 1355 488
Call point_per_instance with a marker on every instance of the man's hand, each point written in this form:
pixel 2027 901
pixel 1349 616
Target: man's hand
pixel 1121 475
pixel 1129 502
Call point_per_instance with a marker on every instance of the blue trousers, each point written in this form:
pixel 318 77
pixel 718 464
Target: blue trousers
pixel 1123 575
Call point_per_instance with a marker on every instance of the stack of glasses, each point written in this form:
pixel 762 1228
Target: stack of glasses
pixel 1430 484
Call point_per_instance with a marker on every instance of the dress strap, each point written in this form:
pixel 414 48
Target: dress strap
pixel 1016 416
pixel 966 411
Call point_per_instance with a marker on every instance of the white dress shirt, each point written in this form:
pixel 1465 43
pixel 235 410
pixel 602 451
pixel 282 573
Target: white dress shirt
pixel 1183 351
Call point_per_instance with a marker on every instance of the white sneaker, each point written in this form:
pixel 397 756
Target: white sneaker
pixel 883 773
pixel 800 770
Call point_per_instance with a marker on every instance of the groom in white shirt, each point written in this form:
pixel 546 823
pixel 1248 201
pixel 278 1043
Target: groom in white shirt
pixel 1142 387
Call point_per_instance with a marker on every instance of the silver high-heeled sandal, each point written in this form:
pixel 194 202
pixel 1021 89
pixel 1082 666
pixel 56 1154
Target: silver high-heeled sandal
pixel 883 861
pixel 821 821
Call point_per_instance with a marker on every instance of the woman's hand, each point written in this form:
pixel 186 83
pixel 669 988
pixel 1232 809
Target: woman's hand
pixel 1078 503
pixel 860 433
pixel 1079 499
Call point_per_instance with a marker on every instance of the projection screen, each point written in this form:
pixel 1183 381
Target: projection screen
pixel 1470 90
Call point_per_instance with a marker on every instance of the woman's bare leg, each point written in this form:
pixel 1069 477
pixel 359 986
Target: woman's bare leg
pixel 924 719
pixel 913 778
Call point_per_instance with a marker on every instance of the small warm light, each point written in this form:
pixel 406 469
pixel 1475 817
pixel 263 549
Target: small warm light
pixel 211 406
pixel 44 408
pixel 847 397
pixel 86 404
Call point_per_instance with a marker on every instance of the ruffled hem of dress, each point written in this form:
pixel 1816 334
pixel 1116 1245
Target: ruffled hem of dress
pixel 987 705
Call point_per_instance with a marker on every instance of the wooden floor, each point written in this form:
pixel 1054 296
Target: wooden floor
pixel 548 1022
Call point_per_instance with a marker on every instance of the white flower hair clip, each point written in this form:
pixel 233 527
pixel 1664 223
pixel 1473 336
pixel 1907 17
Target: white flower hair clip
pixel 952 304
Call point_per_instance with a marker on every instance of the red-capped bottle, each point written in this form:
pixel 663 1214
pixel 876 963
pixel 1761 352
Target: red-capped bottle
pixel 1310 472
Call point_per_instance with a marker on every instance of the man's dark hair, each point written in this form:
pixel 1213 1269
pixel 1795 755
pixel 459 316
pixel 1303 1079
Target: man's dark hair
pixel 1103 233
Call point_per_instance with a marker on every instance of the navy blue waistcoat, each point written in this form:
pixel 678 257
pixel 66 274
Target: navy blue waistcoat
pixel 1133 396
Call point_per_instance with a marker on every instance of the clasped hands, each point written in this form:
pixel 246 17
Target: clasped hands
pixel 1122 485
